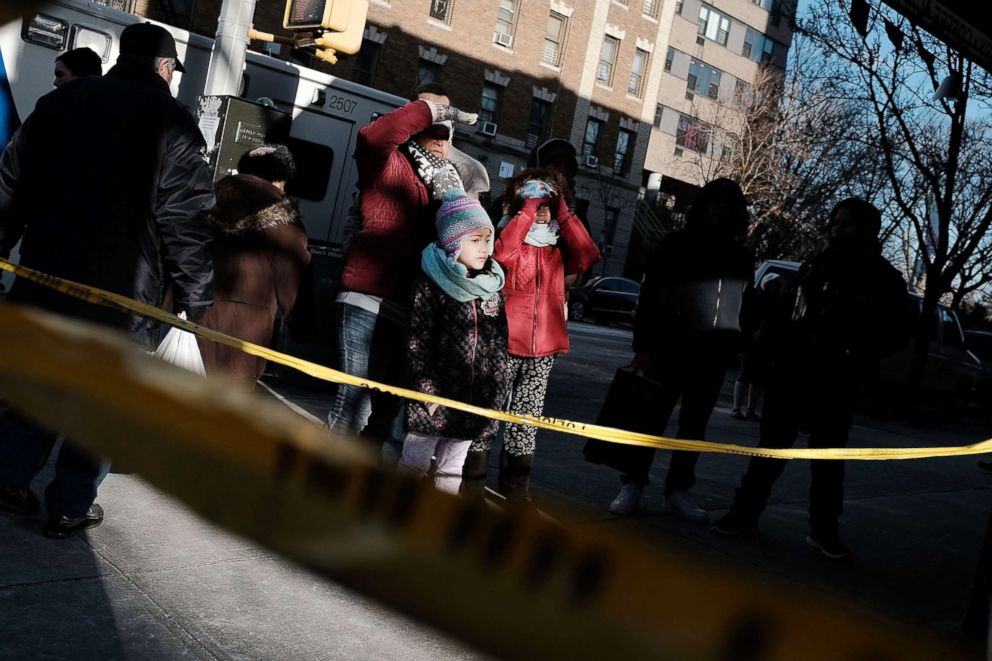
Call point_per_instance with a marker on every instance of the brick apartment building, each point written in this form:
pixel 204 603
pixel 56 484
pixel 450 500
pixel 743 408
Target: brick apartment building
pixel 635 85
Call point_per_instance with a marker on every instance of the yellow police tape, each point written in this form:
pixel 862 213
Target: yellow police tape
pixel 610 434
pixel 511 583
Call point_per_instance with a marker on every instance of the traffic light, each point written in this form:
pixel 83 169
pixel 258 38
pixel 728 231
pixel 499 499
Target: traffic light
pixel 343 20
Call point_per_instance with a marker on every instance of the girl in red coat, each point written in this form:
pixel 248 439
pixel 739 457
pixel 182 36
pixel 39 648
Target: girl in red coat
pixel 541 242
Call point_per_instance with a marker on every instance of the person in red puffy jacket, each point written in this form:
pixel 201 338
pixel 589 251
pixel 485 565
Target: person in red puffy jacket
pixel 541 241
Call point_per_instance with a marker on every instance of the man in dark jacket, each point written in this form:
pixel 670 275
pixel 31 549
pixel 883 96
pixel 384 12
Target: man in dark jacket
pixel 848 310
pixel 103 184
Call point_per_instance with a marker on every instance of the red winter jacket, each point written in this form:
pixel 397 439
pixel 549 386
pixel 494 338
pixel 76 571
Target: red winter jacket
pixel 396 208
pixel 535 283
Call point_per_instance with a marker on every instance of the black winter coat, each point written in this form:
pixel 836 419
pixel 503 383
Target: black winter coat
pixel 847 311
pixel 104 184
pixel 693 294
pixel 456 350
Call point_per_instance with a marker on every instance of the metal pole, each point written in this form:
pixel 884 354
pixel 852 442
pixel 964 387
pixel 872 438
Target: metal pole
pixel 227 60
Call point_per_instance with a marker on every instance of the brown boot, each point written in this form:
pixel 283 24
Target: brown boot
pixel 474 474
pixel 514 475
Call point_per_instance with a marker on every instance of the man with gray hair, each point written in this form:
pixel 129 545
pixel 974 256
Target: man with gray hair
pixel 103 184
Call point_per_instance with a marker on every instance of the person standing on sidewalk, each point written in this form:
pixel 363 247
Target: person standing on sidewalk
pixel 403 172
pixel 456 342
pixel 848 310
pixel 540 243
pixel 686 332
pixel 260 259
pixel 127 225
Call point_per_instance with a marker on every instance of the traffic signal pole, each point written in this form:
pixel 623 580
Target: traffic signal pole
pixel 227 59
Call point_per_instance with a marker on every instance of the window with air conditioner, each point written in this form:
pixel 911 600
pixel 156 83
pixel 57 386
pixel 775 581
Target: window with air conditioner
pixel 650 8
pixel 506 18
pixel 621 155
pixel 489 104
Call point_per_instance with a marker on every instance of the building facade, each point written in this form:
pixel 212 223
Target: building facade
pixel 637 86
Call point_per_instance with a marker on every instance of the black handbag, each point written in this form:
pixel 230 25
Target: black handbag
pixel 631 404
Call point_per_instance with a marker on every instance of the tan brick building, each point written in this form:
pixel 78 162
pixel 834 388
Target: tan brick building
pixel 627 82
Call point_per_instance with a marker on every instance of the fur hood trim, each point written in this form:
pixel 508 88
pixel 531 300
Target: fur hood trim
pixel 250 204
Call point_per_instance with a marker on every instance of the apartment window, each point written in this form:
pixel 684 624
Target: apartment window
pixel 621 155
pixel 506 17
pixel 758 47
pixel 764 4
pixel 441 10
pixel 713 25
pixel 607 60
pixel 692 134
pixel 554 39
pixel 428 72
pixel 489 104
pixel 637 72
pixel 651 8
pixel 591 137
pixel 659 111
pixel 703 79
pixel 365 61
pixel 678 7
pixel 668 59
pixel 743 92
pixel 537 122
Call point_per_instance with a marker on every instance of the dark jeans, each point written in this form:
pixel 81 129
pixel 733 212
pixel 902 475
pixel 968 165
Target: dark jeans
pixel 368 347
pixel 696 379
pixel 825 406
pixel 24 450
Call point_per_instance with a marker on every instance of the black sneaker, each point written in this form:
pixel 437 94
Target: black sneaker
pixel 829 544
pixel 60 527
pixel 734 524
pixel 19 501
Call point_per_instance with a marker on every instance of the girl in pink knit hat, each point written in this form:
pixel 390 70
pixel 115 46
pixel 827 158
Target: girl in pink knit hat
pixel 456 342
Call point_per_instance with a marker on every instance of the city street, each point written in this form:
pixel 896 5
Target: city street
pixel 154 582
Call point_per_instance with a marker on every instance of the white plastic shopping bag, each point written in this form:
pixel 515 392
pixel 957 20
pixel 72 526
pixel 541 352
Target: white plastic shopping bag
pixel 179 348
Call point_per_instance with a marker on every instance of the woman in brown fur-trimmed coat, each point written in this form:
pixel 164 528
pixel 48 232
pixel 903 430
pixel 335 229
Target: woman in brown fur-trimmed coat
pixel 260 258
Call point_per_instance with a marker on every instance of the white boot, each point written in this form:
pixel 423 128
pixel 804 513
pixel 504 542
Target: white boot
pixel 628 500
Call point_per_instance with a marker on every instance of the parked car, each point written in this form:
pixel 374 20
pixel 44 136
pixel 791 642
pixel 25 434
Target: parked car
pixel 980 344
pixel 604 298
pixel 951 371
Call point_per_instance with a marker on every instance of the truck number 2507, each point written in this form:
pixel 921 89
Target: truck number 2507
pixel 342 104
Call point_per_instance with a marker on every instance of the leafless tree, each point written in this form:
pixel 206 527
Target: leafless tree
pixel 929 147
pixel 796 147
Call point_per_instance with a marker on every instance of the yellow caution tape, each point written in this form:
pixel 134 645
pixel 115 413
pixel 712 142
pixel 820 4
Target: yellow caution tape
pixel 588 430
pixel 509 582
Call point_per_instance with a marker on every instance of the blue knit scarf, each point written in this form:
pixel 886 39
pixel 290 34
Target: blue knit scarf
pixel 452 276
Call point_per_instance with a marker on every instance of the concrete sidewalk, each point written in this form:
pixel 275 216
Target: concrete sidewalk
pixel 156 582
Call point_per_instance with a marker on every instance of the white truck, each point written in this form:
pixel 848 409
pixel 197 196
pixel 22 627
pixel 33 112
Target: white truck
pixel 326 111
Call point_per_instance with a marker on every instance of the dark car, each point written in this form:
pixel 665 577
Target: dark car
pixel 605 299
pixel 980 344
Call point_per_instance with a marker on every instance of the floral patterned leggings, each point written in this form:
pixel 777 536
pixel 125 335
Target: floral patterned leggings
pixel 528 386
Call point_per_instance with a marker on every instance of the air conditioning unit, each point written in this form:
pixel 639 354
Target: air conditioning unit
pixel 487 128
pixel 591 161
pixel 503 39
